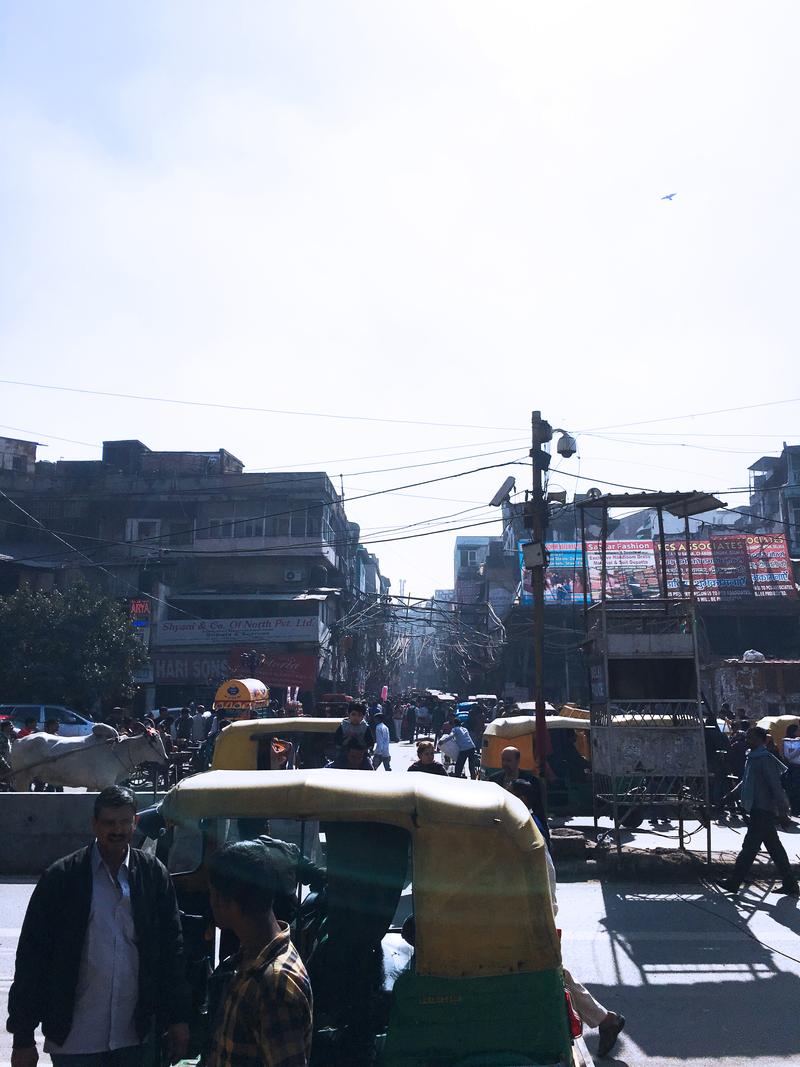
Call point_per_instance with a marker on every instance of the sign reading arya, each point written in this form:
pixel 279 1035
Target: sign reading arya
pixel 236 631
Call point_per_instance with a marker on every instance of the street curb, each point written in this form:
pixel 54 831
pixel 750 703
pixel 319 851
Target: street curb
pixel 655 866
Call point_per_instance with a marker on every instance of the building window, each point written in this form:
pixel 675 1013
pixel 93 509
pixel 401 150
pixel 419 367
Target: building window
pixel 249 528
pixel 142 529
pixel 472 557
pixel 181 533
pixel 277 522
pixel 298 522
pixel 19 463
pixel 220 528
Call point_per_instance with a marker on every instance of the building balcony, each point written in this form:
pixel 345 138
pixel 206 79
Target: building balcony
pixel 220 547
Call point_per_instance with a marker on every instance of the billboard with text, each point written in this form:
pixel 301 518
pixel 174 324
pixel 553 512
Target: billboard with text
pixel 723 567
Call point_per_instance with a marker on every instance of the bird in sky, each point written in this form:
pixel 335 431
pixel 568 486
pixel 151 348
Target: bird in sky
pixel 669 196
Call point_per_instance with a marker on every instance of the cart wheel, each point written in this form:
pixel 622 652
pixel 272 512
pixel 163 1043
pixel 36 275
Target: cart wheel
pixel 632 819
pixel 140 779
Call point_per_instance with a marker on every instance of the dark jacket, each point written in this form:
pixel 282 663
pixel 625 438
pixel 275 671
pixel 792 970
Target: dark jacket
pixel 51 945
pixel 761 784
pixel 428 768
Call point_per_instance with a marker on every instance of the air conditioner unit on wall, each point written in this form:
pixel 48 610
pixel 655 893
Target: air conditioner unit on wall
pixel 294 575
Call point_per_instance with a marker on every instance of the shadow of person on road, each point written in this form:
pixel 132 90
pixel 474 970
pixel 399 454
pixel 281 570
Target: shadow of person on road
pixel 785 911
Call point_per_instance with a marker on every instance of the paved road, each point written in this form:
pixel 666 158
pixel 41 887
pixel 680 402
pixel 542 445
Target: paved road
pixel 681 964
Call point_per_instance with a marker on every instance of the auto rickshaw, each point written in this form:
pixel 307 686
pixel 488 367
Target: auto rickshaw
pixel 569 790
pixel 777 725
pixel 334 705
pixel 242 698
pixel 460 968
pixel 262 745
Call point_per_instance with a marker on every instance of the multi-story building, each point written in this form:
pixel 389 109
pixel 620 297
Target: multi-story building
pixel 470 555
pixel 775 494
pixel 228 570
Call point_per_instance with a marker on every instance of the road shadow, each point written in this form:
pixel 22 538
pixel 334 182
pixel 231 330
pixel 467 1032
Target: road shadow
pixel 699 967
pixel 786 912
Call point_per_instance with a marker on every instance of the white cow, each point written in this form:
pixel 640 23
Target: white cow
pixel 97 761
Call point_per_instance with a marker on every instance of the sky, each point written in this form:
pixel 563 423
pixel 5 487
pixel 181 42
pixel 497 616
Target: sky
pixel 414 222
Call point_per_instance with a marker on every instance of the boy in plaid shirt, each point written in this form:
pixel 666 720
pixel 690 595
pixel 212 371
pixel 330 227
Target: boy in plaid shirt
pixel 264 1019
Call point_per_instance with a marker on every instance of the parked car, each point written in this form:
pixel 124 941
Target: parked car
pixel 70 723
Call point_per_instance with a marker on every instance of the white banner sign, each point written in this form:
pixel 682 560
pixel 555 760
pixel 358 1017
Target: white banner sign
pixel 238 631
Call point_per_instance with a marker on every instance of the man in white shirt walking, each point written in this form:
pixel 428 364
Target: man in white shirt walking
pixel 201 724
pixel 381 755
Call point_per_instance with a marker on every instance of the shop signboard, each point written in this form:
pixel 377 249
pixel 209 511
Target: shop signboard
pixel 234 631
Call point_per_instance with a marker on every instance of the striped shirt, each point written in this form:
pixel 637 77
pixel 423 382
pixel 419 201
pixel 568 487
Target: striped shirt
pixel 265 1020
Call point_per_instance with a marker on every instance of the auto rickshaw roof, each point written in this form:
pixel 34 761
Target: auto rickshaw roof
pixel 402 799
pixel 239 690
pixel 237 745
pixel 530 706
pixel 523 725
pixel 778 724
pixel 481 894
pixel 293 724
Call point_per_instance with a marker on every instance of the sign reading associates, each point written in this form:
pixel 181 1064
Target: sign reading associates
pixel 236 631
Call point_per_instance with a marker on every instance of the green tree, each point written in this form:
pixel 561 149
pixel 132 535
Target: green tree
pixel 66 648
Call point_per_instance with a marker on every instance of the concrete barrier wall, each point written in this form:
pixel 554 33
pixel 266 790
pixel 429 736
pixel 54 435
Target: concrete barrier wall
pixel 36 829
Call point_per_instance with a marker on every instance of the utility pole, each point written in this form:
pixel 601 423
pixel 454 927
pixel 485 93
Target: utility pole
pixel 535 555
pixel 541 434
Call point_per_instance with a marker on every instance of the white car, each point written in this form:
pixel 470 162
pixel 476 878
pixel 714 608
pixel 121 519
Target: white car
pixel 70 723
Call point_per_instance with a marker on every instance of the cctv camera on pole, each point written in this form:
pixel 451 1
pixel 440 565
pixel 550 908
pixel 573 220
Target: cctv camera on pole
pixel 503 492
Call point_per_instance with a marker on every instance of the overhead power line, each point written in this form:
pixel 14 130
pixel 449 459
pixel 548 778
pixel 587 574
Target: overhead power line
pixel 252 409
pixel 692 415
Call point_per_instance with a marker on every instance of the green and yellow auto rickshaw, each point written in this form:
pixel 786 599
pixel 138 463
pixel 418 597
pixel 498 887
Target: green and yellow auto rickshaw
pixel 569 783
pixel 437 946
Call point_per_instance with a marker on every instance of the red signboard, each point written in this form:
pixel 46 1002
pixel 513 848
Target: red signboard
pixel 770 565
pixel 210 668
pixel 280 668
pixel 731 567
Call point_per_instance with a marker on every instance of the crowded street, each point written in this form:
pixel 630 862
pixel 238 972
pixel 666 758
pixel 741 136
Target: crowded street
pixel 480 750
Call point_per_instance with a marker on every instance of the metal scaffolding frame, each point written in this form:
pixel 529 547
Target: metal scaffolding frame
pixel 648 751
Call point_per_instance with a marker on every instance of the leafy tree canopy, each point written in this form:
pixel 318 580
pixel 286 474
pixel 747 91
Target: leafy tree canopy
pixel 66 648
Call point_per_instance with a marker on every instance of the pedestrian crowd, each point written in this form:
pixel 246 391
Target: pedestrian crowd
pixel 111 983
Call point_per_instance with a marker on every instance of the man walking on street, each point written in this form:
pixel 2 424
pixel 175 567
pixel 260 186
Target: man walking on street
pixel 100 956
pixel 265 1016
pixel 382 755
pixel 467 753
pixel 763 798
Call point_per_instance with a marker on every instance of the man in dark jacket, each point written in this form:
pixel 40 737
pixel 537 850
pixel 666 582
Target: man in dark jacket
pixel 763 798
pixel 100 956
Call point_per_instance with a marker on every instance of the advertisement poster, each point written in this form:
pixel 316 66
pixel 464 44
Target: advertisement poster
pixel 770 565
pixel 724 567
pixel 630 570
pixel 704 575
